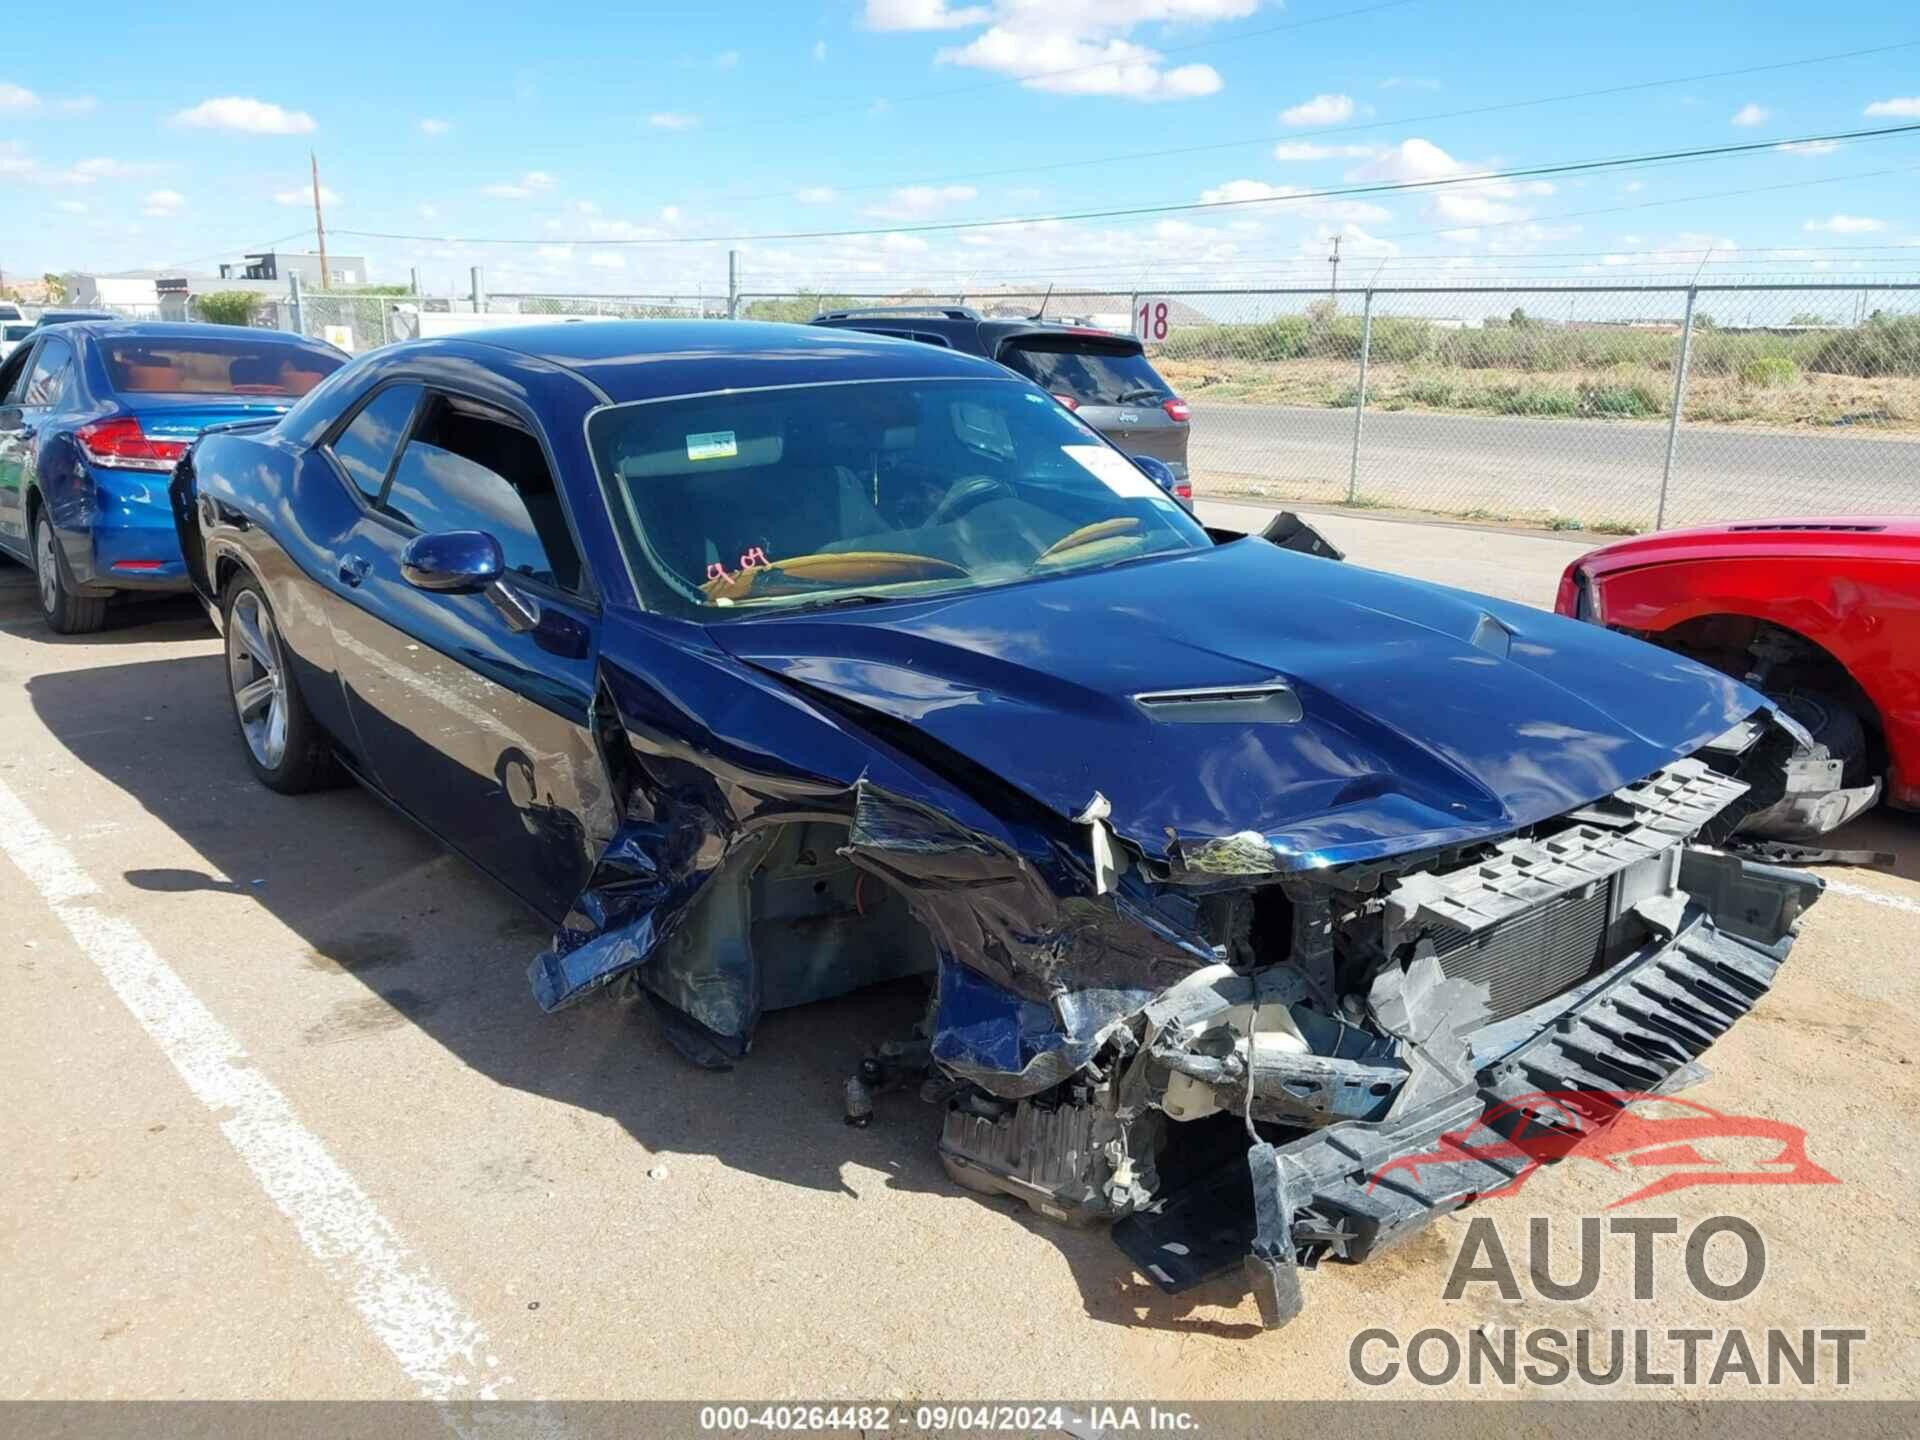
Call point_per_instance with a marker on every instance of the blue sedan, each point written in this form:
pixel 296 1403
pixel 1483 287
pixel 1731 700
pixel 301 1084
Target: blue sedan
pixel 771 661
pixel 93 416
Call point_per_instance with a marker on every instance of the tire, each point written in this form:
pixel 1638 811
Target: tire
pixel 284 745
pixel 1835 724
pixel 65 612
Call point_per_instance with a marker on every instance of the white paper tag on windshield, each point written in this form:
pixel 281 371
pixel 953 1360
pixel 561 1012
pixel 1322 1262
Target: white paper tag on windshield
pixel 714 445
pixel 1115 471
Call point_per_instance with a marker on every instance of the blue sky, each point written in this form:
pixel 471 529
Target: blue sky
pixel 187 139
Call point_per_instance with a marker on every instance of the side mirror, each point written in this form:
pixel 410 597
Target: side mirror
pixel 1157 471
pixel 454 561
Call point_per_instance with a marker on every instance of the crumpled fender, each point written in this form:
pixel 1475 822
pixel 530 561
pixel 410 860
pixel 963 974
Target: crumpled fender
pixel 1036 969
pixel 1050 967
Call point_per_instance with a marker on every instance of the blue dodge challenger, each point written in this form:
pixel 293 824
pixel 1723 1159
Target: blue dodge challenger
pixel 93 416
pixel 770 661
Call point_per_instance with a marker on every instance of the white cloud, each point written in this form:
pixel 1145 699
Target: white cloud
pixel 726 60
pixel 918 202
pixel 1069 47
pixel 1633 187
pixel 1246 191
pixel 1469 203
pixel 1847 225
pixel 607 260
pixel 670 214
pixel 1409 82
pixel 428 212
pixel 1320 110
pixel 71 207
pixel 1751 115
pixel 103 167
pixel 527 186
pixel 1900 107
pixel 922 15
pixel 430 126
pixel 17 97
pixel 816 195
pixel 672 120
pixel 77 105
pixel 819 50
pixel 1809 147
pixel 303 195
pixel 246 114
pixel 162 203
pixel 1291 150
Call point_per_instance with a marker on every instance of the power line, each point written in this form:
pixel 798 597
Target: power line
pixel 974 89
pixel 1324 131
pixel 1626 162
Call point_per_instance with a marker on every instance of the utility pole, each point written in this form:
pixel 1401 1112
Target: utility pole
pixel 1333 261
pixel 320 225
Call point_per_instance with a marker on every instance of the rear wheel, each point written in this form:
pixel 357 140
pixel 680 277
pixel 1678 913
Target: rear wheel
pixel 285 746
pixel 65 612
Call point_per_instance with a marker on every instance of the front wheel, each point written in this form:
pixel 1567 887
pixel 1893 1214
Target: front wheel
pixel 65 612
pixel 285 746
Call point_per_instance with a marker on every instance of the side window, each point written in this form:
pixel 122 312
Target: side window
pixel 13 375
pixel 471 469
pixel 51 367
pixel 365 449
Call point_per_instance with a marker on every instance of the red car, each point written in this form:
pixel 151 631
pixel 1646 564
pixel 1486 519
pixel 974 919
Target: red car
pixel 1823 615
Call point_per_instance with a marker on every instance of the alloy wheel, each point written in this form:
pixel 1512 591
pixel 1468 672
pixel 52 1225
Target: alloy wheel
pixel 258 677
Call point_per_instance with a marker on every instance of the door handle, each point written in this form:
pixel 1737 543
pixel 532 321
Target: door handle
pixel 354 569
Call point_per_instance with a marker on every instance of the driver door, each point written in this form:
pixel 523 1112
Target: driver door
pixel 474 709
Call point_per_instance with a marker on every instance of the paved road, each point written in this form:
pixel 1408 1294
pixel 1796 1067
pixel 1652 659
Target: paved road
pixel 1590 469
pixel 282 1120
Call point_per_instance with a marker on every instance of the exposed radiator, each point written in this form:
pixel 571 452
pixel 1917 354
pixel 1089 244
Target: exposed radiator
pixel 1536 954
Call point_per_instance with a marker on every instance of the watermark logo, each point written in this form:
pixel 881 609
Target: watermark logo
pixel 1672 1144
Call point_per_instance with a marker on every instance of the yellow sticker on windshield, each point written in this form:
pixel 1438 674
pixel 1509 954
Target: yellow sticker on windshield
pixel 713 445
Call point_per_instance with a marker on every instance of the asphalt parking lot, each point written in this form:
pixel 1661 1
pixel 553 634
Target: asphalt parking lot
pixel 285 1122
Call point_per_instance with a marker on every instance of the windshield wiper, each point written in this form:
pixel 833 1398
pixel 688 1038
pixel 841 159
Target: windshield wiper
pixel 1129 397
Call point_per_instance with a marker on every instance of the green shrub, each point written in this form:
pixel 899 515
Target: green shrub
pixel 227 307
pixel 1634 398
pixel 1534 400
pixel 1769 372
pixel 1885 345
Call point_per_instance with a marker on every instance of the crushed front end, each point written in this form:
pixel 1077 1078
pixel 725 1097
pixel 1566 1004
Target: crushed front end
pixel 1227 1057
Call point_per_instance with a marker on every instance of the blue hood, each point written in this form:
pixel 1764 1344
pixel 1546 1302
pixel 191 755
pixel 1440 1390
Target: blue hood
pixel 1412 732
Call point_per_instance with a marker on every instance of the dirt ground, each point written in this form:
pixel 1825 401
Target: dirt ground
pixel 283 1121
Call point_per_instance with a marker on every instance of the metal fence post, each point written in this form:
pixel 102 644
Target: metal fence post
pixel 1679 403
pixel 479 291
pixel 386 335
pixel 1360 395
pixel 733 284
pixel 299 309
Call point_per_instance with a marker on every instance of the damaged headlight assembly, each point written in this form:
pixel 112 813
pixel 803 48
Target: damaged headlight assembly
pixel 1348 1017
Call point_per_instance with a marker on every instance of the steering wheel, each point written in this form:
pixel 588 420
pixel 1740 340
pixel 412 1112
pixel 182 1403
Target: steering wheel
pixel 835 567
pixel 967 492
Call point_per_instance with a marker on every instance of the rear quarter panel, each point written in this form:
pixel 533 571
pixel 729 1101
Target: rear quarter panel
pixel 276 511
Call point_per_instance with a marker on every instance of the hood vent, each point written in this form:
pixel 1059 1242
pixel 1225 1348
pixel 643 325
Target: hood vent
pixel 1270 703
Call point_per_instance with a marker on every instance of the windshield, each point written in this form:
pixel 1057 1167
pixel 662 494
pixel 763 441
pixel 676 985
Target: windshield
pixel 829 494
pixel 1091 373
pixel 214 367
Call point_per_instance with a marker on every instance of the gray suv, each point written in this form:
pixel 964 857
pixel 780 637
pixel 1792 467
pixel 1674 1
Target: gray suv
pixel 1103 377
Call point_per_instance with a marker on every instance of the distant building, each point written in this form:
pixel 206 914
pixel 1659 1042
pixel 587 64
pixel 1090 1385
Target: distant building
pixel 282 265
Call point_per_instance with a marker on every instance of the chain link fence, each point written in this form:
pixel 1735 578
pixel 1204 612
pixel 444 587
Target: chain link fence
pixel 1600 407
pixel 1552 404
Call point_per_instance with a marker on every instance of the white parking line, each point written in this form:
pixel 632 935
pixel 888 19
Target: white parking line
pixel 435 1341
pixel 1874 897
